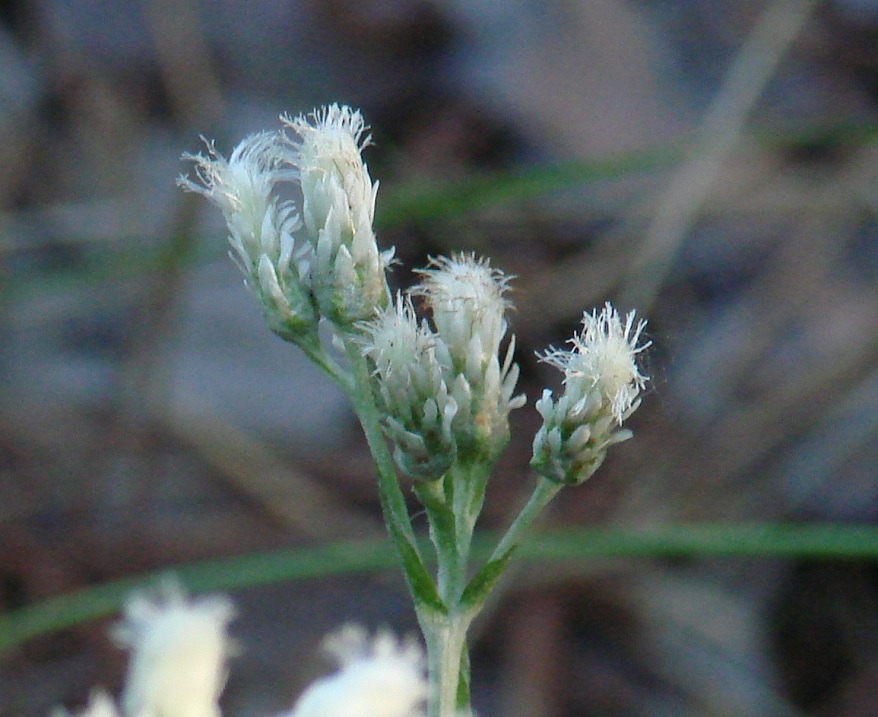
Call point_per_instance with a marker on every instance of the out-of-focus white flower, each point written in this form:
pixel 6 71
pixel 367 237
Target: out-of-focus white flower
pixel 418 410
pixel 339 208
pixel 260 226
pixel 100 704
pixel 381 677
pixel 602 384
pixel 179 648
pixel 466 297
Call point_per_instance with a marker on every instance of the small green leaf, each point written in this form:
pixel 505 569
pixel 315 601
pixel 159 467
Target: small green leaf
pixel 421 583
pixel 484 581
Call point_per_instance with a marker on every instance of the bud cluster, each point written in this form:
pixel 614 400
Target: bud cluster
pixel 602 384
pixel 329 264
pixel 444 390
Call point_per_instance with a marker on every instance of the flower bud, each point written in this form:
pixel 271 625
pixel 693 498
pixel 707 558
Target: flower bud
pixel 377 678
pixel 260 227
pixel 466 298
pixel 602 384
pixel 408 359
pixel 178 658
pixel 339 208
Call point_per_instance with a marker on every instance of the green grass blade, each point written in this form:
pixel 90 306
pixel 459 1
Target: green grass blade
pixel 816 541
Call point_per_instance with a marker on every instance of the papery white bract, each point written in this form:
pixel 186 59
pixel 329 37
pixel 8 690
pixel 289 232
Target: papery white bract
pixel 261 227
pixel 466 297
pixel 602 384
pixel 339 208
pixel 179 647
pixel 381 677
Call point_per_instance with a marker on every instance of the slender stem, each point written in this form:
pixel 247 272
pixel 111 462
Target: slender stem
pixel 314 350
pixel 452 508
pixel 469 482
pixel 396 515
pixel 446 639
pixel 543 493
pixel 443 530
pixel 392 499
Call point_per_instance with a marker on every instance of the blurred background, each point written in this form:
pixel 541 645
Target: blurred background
pixel 710 163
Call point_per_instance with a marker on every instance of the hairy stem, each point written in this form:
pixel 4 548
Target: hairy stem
pixel 396 514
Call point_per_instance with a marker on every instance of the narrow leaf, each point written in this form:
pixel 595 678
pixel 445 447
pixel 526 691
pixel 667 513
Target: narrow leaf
pixel 484 581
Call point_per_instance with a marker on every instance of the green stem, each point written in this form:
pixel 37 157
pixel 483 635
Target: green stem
pixel 543 494
pixel 393 505
pixel 314 350
pixel 486 578
pixel 446 640
pixel 453 506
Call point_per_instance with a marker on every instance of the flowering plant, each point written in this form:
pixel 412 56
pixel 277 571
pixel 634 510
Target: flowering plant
pixel 431 375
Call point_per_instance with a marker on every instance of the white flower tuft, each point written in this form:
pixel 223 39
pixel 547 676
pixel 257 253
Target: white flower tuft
pixel 338 205
pixel 604 357
pixel 409 359
pixel 179 649
pixel 466 298
pixel 602 385
pixel 331 140
pixel 261 228
pixel 381 677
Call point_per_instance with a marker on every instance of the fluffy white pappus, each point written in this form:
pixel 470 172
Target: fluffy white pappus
pixel 328 157
pixel 604 356
pixel 242 186
pixel 242 183
pixel 397 341
pixel 179 648
pixel 466 296
pixel 338 208
pixel 409 358
pixel 378 677
pixel 331 131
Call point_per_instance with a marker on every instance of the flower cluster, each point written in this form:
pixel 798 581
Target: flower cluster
pixel 179 648
pixel 329 264
pixel 444 390
pixel 602 384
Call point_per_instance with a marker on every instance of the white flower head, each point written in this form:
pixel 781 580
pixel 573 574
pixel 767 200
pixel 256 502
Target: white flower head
pixel 179 647
pixel 604 356
pixel 602 384
pixel 100 704
pixel 261 228
pixel 418 409
pixel 381 677
pixel 242 186
pixel 466 297
pixel 338 205
pixel 331 140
